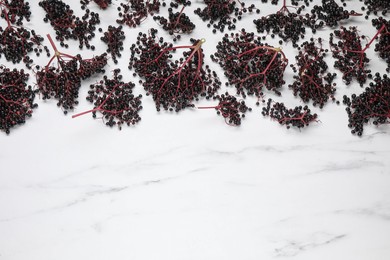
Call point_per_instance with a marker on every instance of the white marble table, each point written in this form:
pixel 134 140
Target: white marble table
pixel 188 186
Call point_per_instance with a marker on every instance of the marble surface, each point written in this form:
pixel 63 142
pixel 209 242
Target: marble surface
pixel 187 186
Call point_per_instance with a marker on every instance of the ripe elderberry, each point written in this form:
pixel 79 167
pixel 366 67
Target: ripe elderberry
pixel 373 104
pixel 231 109
pixel 174 84
pixel 69 26
pixel 64 81
pixel 134 12
pixel 290 117
pixel 219 13
pixel 115 100
pixel 312 81
pixel 16 98
pixel 249 64
pixel 114 37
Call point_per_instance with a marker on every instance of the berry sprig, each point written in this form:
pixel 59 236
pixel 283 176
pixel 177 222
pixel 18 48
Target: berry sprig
pixel 115 100
pixel 290 117
pixel 289 26
pixel 223 14
pixel 64 81
pixel 231 109
pixel 350 55
pixel 15 11
pixel 69 26
pixel 114 37
pixel 373 104
pixel 383 44
pixel 16 98
pixel 134 12
pixel 16 43
pixel 103 4
pixel 177 23
pixel 173 84
pixel 312 81
pixel 251 65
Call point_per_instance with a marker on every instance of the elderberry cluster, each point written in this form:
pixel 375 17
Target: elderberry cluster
pixel 103 4
pixel 312 81
pixel 287 25
pixel 14 11
pixel 134 12
pixel 219 13
pixel 115 100
pixel 64 81
pixel 372 104
pixel 290 117
pixel 250 64
pixel 376 6
pixel 69 26
pixel 177 23
pixel 17 42
pixel 331 13
pixel 383 45
pixel 173 84
pixel 16 98
pixel 350 56
pixel 231 109
pixel 114 37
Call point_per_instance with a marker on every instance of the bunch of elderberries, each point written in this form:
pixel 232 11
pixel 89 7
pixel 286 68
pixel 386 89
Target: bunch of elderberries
pixel 312 81
pixel 17 42
pixel 249 64
pixel 63 82
pixel 373 104
pixel 67 25
pixel 173 83
pixel 115 100
pixel 16 98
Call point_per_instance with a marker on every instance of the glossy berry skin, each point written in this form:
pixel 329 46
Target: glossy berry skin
pixel 16 98
pixel 115 100
pixel 173 83
pixel 249 64
pixel 312 82
pixel 298 117
pixel 371 105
